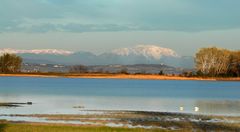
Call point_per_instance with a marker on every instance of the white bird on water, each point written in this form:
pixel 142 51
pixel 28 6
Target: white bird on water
pixel 196 109
pixel 181 108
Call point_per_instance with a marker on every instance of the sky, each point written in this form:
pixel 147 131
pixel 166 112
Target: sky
pixel 103 25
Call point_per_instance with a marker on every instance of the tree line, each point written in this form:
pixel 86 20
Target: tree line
pixel 217 62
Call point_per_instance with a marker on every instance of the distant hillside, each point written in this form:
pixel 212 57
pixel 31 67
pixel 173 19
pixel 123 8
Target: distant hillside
pixel 137 68
pixel 141 54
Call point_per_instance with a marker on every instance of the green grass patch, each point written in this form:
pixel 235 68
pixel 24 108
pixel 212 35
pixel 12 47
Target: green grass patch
pixel 13 127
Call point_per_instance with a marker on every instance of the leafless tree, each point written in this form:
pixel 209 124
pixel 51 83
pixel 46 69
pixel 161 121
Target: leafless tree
pixel 213 61
pixel 78 69
pixel 10 63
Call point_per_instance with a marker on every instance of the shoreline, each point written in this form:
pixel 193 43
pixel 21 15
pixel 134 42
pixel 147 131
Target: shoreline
pixel 131 120
pixel 118 76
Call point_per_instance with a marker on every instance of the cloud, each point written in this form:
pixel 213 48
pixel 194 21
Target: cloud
pixel 118 15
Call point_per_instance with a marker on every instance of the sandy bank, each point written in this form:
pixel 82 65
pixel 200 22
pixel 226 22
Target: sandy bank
pixel 119 76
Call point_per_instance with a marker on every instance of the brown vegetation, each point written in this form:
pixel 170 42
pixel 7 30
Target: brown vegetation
pixel 121 76
pixel 10 63
pixel 217 62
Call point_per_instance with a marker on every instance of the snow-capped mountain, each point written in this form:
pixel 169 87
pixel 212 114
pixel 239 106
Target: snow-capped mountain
pixel 36 51
pixel 148 51
pixel 141 54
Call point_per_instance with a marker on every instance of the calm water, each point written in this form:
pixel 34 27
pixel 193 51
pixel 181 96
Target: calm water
pixel 60 95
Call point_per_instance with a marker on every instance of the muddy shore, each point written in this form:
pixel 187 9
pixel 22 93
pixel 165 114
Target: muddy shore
pixel 135 119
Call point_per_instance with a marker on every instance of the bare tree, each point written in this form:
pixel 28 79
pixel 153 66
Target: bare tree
pixel 213 61
pixel 78 69
pixel 223 62
pixel 124 71
pixel 235 63
pixel 205 59
pixel 10 63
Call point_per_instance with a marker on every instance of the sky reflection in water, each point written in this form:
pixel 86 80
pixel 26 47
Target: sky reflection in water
pixel 60 95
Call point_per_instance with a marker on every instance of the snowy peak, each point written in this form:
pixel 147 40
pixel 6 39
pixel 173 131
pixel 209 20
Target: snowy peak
pixel 141 54
pixel 37 51
pixel 148 51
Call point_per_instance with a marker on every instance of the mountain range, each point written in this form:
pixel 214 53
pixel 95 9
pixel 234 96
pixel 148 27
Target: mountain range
pixel 141 54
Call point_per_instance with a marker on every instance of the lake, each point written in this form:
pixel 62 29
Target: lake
pixel 61 95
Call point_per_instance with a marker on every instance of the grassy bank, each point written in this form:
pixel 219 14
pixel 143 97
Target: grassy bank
pixel 27 127
pixel 119 76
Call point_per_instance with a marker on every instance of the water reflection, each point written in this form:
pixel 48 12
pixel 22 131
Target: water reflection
pixel 232 107
pixel 65 105
pixel 60 95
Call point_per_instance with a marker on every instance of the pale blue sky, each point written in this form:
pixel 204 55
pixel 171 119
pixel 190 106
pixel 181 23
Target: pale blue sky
pixel 102 25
